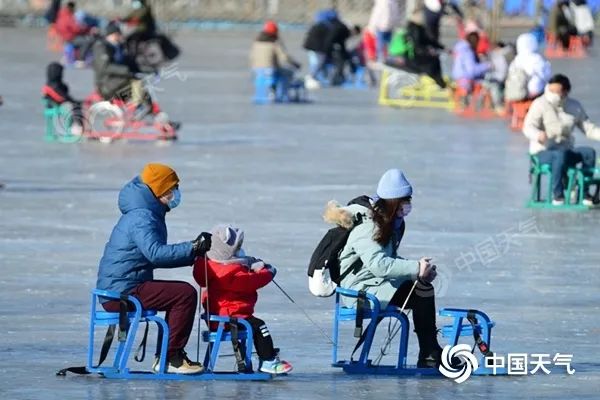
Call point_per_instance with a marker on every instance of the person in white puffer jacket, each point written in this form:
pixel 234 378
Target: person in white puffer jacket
pixel 534 69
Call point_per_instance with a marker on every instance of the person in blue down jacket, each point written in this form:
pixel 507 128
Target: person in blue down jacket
pixel 370 262
pixel 138 245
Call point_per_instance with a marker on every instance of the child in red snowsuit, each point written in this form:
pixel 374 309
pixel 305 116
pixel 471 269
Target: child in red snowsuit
pixel 231 290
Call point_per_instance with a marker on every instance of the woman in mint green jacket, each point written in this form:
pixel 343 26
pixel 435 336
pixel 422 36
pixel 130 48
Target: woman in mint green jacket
pixel 371 255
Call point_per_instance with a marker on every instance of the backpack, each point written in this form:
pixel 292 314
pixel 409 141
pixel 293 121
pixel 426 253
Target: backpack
pixel 324 266
pixel 400 45
pixel 516 84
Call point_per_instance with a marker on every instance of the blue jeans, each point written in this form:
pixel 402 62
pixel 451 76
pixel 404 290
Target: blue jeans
pixel 563 159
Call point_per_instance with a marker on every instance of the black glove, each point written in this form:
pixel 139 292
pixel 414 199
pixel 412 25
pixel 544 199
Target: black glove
pixel 202 244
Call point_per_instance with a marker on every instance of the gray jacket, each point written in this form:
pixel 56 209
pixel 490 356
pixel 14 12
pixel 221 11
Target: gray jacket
pixel 558 122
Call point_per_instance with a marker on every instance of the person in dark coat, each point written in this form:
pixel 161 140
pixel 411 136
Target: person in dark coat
pixel 426 59
pixel 138 245
pixel 115 71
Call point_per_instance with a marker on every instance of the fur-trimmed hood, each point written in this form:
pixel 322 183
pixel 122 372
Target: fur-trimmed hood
pixel 346 217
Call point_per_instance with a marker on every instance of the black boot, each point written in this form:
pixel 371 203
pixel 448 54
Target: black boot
pixel 430 351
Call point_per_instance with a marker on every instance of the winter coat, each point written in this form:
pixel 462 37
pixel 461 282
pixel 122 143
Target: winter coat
pixel 382 271
pixel 66 25
pixel 528 60
pixel 558 123
pixel 138 243
pixel 111 74
pixel 268 52
pixel 385 16
pixel 421 41
pixel 55 89
pixel 231 288
pixel 584 20
pixel 466 67
pixel 316 37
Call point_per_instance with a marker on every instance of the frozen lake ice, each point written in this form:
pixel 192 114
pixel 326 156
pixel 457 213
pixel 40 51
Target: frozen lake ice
pixel 270 170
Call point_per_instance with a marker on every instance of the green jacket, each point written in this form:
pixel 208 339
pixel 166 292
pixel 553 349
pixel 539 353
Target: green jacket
pixel 382 271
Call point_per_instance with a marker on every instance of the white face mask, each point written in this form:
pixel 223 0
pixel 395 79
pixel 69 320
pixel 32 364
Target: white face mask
pixel 553 98
pixel 404 210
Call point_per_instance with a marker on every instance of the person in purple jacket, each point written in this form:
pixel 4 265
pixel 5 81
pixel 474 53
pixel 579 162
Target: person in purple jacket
pixel 467 68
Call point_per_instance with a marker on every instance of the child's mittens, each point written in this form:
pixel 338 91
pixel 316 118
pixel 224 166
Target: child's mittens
pixel 257 266
pixel 271 269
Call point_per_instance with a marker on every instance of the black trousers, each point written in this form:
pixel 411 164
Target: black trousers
pixel 262 338
pixel 422 304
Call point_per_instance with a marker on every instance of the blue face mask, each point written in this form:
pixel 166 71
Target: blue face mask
pixel 176 200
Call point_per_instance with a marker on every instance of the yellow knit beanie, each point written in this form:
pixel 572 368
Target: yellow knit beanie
pixel 160 178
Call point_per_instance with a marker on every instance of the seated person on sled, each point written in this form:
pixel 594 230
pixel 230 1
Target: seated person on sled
pixel 549 126
pixel 138 245
pixel 371 252
pixel 268 52
pixel 468 70
pixel 231 290
pixel 56 92
pixel 415 52
pixel 118 77
pixel 74 30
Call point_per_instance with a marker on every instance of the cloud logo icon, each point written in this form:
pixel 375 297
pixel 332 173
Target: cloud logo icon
pixel 463 371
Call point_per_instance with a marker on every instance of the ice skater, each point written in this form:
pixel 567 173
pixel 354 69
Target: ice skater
pixel 231 290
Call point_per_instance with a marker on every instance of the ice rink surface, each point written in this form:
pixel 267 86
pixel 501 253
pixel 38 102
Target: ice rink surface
pixel 270 170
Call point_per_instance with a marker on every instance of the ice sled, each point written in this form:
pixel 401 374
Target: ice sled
pixel 406 89
pixel 105 121
pixel 476 104
pixel 577 179
pixel 480 325
pixel 271 87
pixel 577 47
pixel 120 367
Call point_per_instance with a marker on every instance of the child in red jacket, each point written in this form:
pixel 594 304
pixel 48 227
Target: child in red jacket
pixel 231 290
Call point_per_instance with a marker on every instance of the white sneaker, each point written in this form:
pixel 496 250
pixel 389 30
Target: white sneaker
pixel 558 202
pixel 588 202
pixel 311 83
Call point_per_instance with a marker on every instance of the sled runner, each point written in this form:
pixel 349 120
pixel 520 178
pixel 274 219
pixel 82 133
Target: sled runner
pixel 367 307
pixel 128 323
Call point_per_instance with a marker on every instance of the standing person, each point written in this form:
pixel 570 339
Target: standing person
pixel 385 17
pixel 371 253
pixel 138 245
pixel 315 43
pixel 529 71
pixel 231 290
pixel 549 126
